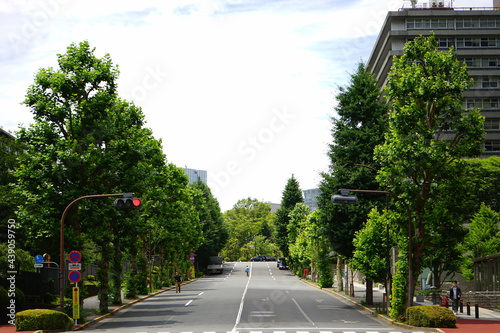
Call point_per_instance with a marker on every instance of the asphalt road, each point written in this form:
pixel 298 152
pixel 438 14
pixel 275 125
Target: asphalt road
pixel 269 301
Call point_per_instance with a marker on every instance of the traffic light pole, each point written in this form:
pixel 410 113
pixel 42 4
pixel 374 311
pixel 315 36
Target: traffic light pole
pixel 61 239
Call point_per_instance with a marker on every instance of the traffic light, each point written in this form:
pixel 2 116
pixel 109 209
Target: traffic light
pixel 128 203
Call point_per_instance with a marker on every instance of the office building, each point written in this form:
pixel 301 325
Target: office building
pixel 311 198
pixel 195 175
pixel 475 34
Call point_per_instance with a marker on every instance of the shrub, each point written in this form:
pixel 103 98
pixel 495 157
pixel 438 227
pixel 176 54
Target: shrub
pixel 431 316
pixel 42 319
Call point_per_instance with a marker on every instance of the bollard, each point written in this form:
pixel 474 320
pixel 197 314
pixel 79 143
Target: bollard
pixel 477 310
pixel 461 307
pixel 468 308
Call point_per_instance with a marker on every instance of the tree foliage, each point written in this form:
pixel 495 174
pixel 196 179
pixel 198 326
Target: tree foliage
pixel 360 126
pixel 427 137
pixel 86 140
pixel 291 196
pixel 214 227
pixel 483 238
pixel 249 221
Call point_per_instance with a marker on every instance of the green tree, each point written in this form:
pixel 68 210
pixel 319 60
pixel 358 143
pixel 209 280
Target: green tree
pixel 247 220
pixel 372 244
pixel 291 196
pixel 86 140
pixel 427 137
pixel 483 238
pixel 214 227
pixel 359 128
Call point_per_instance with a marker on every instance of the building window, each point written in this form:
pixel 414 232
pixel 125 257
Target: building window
pixel 483 23
pixel 485 104
pixel 492 124
pixel 490 82
pixel 490 104
pixel 445 42
pixel 429 24
pixel 486 42
pixel 492 145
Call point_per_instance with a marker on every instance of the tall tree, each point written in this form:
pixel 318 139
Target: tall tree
pixel 427 137
pixel 291 196
pixel 214 227
pixel 360 126
pixel 85 140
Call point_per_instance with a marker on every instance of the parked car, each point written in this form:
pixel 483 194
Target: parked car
pixel 281 260
pixel 258 258
pixel 270 258
pixel 282 265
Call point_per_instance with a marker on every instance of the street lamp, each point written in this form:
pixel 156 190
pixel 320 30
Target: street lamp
pixel 344 197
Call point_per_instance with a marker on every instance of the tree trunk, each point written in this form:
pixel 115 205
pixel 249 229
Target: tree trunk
pixel 103 279
pixel 340 281
pixel 369 292
pixel 116 275
pixel 132 290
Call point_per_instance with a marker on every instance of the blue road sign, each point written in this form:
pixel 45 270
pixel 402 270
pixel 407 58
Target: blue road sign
pixel 38 259
pixel 75 256
pixel 74 276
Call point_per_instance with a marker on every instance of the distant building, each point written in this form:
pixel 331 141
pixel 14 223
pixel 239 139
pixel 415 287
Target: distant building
pixel 311 198
pixel 195 175
pixel 475 35
pixel 274 207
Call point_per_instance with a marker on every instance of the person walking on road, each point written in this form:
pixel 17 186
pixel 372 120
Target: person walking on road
pixel 455 294
pixel 247 270
pixel 178 281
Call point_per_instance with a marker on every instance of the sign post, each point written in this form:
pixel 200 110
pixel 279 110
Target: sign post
pixel 76 304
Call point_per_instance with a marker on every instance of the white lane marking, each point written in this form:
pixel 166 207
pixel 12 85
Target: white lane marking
pixel 188 303
pixel 303 313
pixel 238 317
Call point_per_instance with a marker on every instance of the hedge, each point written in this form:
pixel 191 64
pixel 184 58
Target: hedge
pixel 431 316
pixel 42 319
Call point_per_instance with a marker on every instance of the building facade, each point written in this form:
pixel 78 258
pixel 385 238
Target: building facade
pixel 311 198
pixel 195 175
pixel 475 34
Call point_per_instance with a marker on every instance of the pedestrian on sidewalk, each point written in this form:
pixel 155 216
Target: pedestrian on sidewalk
pixel 178 281
pixel 455 294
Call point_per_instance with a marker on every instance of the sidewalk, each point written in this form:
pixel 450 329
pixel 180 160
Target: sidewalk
pixel 488 321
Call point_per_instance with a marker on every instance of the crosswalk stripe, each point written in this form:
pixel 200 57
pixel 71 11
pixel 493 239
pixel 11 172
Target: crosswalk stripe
pixel 293 331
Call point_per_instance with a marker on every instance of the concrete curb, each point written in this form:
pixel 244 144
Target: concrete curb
pixel 373 312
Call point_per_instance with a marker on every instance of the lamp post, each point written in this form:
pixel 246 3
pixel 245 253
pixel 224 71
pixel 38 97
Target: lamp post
pixel 61 238
pixel 344 197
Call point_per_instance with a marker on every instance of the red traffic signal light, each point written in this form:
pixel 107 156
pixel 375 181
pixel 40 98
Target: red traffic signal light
pixel 128 203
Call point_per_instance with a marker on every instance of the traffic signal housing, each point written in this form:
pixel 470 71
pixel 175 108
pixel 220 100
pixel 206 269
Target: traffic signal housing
pixel 123 203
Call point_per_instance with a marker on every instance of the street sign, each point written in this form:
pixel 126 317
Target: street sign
pixel 75 256
pixel 74 266
pixel 74 276
pixel 38 259
pixel 38 265
pixel 76 303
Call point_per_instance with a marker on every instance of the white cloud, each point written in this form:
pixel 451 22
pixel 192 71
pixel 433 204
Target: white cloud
pixel 213 77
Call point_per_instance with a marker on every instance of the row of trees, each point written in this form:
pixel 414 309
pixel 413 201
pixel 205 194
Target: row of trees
pixel 86 140
pixel 414 147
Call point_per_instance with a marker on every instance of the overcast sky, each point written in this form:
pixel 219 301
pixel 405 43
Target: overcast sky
pixel 242 89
